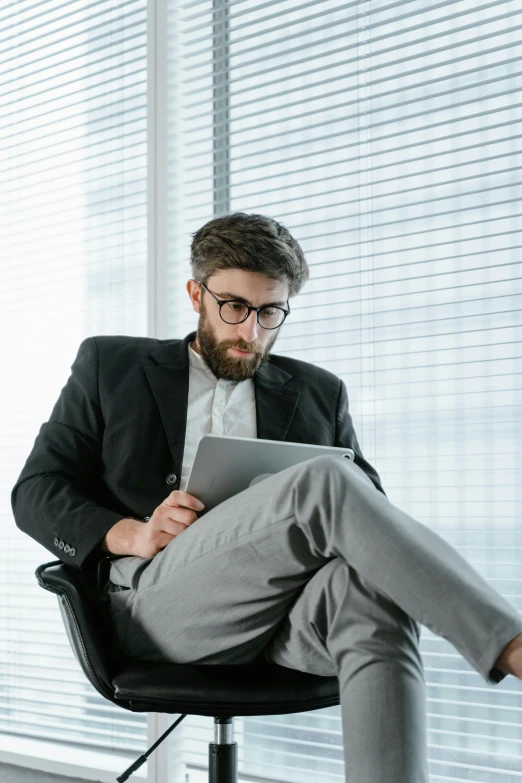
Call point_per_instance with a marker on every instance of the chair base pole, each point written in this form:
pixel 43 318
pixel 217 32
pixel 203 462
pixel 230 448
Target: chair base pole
pixel 222 754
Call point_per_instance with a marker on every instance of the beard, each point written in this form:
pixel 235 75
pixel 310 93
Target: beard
pixel 222 363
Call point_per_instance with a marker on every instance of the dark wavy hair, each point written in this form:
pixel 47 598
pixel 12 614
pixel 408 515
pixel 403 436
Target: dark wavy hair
pixel 251 242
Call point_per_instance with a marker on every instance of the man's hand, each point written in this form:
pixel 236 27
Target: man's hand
pixel 169 519
pixel 146 539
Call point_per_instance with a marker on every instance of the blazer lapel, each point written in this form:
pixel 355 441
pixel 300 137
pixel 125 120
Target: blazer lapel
pixel 169 381
pixel 275 402
pixel 168 378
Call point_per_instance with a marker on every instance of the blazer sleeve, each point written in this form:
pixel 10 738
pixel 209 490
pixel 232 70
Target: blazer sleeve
pixel 345 436
pixel 52 500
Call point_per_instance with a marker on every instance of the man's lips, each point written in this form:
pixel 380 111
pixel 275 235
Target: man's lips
pixel 241 352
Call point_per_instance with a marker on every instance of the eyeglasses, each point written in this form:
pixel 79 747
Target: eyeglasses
pixel 268 317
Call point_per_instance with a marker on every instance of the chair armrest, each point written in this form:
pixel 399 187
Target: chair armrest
pixel 87 623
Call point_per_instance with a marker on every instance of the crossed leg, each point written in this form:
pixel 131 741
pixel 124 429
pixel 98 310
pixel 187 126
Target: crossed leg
pixel 318 568
pixel 339 626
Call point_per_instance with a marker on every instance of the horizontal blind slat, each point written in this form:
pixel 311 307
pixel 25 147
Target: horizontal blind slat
pixel 218 39
pixel 219 71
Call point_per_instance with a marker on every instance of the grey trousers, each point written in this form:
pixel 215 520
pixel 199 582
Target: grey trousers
pixel 318 571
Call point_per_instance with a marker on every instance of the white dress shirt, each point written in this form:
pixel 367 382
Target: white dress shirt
pixel 217 407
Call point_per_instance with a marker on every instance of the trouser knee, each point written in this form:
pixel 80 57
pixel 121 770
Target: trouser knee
pixel 363 625
pixel 338 620
pixel 328 465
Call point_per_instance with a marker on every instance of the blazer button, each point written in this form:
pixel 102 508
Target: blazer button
pixel 61 544
pixel 171 478
pixel 56 541
pixel 72 551
pixel 67 549
pixel 146 519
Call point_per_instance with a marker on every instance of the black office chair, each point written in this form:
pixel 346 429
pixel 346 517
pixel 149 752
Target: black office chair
pixel 260 688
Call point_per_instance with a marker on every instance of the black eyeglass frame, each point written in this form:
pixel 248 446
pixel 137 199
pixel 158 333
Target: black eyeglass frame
pixel 221 302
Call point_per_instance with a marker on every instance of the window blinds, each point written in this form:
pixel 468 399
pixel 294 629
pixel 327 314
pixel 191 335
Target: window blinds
pixel 386 136
pixel 73 263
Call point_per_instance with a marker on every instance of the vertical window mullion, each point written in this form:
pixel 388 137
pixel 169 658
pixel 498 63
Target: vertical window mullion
pixel 221 108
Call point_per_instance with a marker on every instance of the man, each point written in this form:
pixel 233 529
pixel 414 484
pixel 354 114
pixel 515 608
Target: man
pixel 313 567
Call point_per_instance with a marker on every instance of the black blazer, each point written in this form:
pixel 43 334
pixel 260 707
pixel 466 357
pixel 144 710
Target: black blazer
pixel 113 445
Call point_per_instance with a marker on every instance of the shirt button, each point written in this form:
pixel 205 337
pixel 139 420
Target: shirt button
pixel 171 478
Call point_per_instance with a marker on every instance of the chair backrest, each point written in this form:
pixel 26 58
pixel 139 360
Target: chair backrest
pixel 87 622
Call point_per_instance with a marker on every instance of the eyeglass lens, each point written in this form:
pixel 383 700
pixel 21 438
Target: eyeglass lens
pixel 269 317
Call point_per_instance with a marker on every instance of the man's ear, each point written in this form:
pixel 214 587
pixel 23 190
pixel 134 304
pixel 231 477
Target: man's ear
pixel 194 291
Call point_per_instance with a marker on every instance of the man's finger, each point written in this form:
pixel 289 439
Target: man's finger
pixel 183 499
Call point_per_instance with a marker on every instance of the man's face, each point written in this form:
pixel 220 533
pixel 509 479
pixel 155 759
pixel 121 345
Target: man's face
pixel 216 339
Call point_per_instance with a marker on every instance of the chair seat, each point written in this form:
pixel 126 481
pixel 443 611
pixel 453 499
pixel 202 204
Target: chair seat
pixel 260 688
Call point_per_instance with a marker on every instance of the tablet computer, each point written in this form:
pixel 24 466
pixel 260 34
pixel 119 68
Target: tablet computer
pixel 225 465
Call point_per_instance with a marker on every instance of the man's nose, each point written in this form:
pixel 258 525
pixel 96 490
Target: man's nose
pixel 248 329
